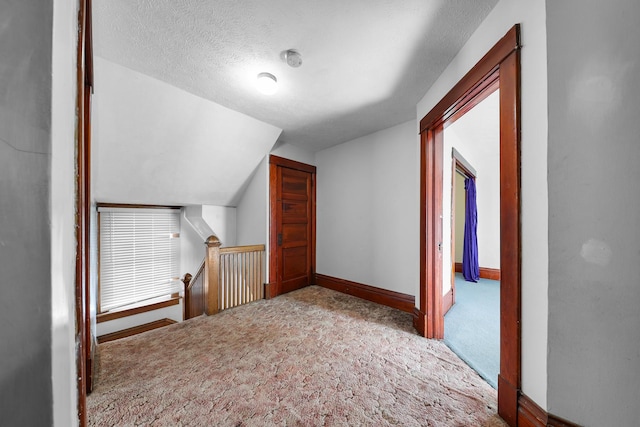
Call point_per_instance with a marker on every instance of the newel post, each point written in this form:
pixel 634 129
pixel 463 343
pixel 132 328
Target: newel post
pixel 212 275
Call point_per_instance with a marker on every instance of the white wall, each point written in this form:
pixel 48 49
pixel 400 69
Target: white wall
pixel 252 212
pixel 63 367
pixel 157 144
pixel 192 248
pixel 27 204
pixel 222 220
pixel 368 207
pixel 476 136
pixel 594 211
pixel 292 152
pixel 535 258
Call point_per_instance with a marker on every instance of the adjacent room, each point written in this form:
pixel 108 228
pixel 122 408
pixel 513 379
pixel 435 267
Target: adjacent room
pixel 471 176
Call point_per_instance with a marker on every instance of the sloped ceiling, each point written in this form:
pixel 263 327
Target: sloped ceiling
pixel 366 63
pixel 153 143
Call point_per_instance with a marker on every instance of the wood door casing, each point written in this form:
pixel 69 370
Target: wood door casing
pixel 84 82
pixel 501 64
pixel 292 228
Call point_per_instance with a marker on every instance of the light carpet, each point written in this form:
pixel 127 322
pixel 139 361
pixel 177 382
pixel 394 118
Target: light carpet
pixel 472 326
pixel 312 357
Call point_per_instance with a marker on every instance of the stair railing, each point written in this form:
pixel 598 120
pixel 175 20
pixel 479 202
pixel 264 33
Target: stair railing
pixel 228 277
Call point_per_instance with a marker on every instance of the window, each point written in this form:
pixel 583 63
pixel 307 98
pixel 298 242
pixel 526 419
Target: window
pixel 139 253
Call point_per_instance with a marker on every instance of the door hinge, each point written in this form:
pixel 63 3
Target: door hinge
pixel 279 239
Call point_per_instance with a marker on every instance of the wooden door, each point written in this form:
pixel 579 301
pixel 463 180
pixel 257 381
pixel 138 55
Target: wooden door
pixel 292 242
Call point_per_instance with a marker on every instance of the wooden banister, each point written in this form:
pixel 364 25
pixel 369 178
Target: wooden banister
pixel 193 303
pixel 227 277
pixel 241 275
pixel 211 274
pixel 241 249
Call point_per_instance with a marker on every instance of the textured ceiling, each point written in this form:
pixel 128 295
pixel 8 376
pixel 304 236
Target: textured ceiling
pixel 366 63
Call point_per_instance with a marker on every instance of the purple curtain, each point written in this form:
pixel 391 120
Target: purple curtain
pixel 470 267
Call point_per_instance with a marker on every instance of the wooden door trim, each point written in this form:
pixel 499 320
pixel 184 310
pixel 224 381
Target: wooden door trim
pixel 500 66
pixel 84 86
pixel 271 288
pixel 458 165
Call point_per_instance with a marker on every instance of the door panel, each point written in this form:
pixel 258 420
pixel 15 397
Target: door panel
pixel 295 229
pixel 292 226
pixel 294 184
pixel 294 263
pixel 292 211
pixel 295 235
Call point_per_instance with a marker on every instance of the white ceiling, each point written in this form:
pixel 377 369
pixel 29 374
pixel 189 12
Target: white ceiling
pixel 366 63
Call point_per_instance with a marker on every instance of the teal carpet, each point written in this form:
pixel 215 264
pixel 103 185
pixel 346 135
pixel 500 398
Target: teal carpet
pixel 472 326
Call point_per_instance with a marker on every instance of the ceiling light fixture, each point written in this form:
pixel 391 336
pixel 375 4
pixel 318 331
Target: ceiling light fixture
pixel 267 83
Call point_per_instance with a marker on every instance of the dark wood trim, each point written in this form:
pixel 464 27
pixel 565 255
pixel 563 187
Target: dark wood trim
pixel 500 66
pixel 480 75
pixel 485 272
pixel 447 301
pixel 490 273
pixel 88 48
pixel 112 315
pixel 431 164
pixel 84 85
pixel 268 290
pixel 272 287
pixel 403 302
pixel 507 398
pixel 478 94
pixel 420 318
pixel 532 415
pixel 134 206
pixel 291 164
pixel 313 227
pixel 452 234
pixel 135 330
pixel 555 421
pixel 510 233
pixel 89 349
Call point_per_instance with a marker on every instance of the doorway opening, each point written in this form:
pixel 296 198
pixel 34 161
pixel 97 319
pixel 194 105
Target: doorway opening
pixel 471 257
pixel 499 68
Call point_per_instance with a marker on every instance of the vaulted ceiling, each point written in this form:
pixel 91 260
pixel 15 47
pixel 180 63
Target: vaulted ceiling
pixel 366 63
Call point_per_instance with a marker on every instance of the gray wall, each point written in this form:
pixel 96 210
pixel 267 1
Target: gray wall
pixel 368 210
pixel 594 211
pixel 25 140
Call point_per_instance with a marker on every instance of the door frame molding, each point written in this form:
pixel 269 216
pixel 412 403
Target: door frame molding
pixel 458 165
pixel 82 309
pixel 501 65
pixel 271 288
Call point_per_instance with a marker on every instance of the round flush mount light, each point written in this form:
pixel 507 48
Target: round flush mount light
pixel 267 83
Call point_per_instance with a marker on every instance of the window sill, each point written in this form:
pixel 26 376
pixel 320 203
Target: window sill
pixel 138 308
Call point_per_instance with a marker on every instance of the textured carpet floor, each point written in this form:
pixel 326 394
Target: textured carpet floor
pixel 472 326
pixel 312 357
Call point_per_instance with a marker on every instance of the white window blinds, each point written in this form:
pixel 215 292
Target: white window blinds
pixel 139 255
